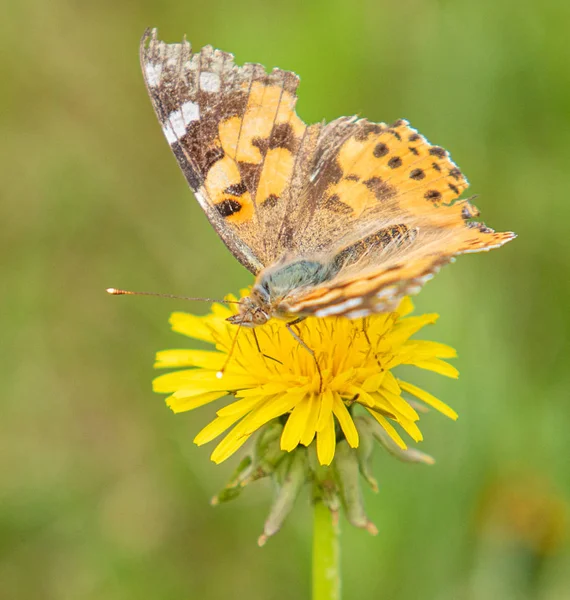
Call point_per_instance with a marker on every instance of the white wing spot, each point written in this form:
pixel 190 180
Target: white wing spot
pixel 386 293
pixel 177 123
pixel 175 126
pixel 153 73
pixel 171 137
pixel 190 112
pixel 209 82
pixel 413 289
pixel 335 309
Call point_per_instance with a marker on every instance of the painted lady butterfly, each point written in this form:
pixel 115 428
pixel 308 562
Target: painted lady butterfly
pixel 340 218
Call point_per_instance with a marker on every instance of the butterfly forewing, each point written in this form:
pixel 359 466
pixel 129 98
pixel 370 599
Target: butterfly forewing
pixel 236 136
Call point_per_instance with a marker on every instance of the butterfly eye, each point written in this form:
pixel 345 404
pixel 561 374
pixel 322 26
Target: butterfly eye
pixel 260 317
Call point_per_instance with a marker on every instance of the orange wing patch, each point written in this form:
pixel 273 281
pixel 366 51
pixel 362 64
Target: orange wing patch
pixel 268 108
pixel 258 149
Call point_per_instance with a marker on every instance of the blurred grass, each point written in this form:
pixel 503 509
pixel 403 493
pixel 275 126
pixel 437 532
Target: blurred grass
pixel 103 493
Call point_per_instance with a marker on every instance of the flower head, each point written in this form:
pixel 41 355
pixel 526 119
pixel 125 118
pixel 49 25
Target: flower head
pixel 274 378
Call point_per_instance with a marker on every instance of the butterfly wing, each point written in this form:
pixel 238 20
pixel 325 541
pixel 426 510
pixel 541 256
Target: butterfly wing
pixel 381 208
pixel 236 137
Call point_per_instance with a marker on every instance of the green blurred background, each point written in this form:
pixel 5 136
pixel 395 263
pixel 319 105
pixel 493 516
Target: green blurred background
pixel 103 493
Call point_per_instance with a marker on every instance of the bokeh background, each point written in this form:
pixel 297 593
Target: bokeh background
pixel 103 494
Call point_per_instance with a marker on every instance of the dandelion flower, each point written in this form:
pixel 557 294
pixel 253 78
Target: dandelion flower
pixel 273 378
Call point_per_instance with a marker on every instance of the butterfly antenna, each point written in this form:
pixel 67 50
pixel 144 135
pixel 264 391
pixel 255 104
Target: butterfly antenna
pixel 116 292
pixel 221 372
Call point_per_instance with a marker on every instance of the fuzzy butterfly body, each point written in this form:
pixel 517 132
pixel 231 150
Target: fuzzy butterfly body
pixel 343 218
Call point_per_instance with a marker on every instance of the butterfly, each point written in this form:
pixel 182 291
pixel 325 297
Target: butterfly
pixel 341 218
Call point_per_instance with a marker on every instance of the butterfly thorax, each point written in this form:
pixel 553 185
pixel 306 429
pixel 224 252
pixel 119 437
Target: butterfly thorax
pixel 273 286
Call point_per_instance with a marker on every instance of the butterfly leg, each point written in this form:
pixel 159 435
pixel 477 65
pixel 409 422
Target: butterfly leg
pixel 309 350
pixel 259 348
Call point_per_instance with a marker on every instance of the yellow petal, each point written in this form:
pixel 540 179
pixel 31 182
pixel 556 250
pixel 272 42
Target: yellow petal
pixel 271 409
pixel 372 383
pixel 230 444
pixel 326 441
pixel 191 325
pixel 380 404
pixel 325 410
pixel 215 428
pixel 295 426
pixel 178 405
pixel 360 396
pixel 389 429
pixel 410 428
pixel 398 404
pixel 190 358
pixel 240 407
pixel 406 306
pixel 345 421
pixel 405 328
pixel 390 383
pixel 312 418
pixel 266 389
pixel 170 382
pixel 192 392
pixel 438 366
pixel 341 379
pixel 428 399
pixel 426 349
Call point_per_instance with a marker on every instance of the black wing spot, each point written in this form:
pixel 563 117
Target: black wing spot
pixel 237 189
pixel 413 150
pixel 283 136
pixel 352 177
pixel 395 134
pixel 270 202
pixel 395 162
pixel 417 174
pixel 455 173
pixel 438 151
pixel 227 208
pixel 436 166
pixel 380 150
pixel 432 195
pixel 414 137
pixel 366 130
pixel 381 190
pixel 453 188
pixel 335 204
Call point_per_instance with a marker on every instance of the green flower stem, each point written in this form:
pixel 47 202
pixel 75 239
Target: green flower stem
pixel 326 554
